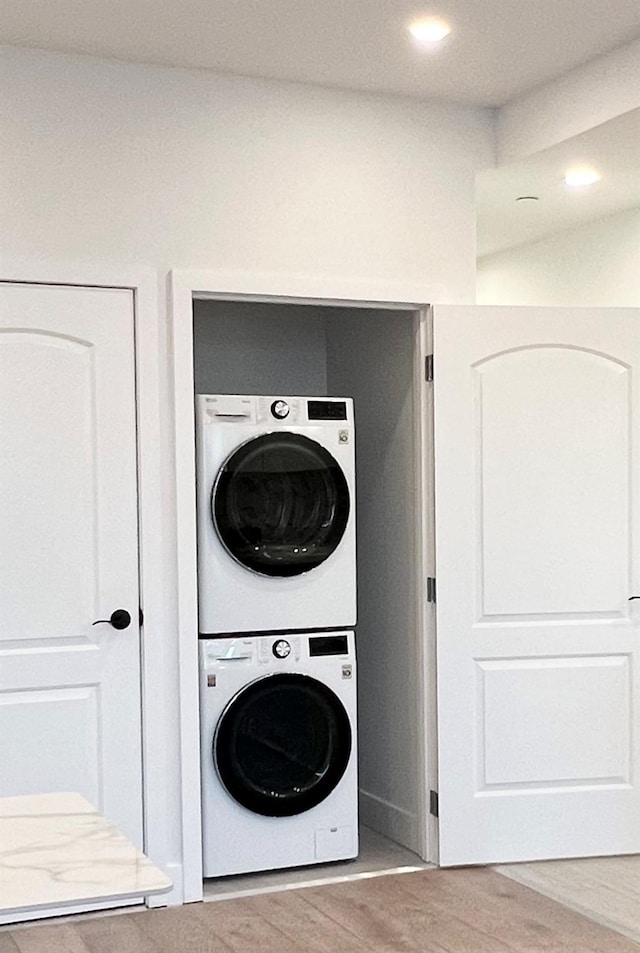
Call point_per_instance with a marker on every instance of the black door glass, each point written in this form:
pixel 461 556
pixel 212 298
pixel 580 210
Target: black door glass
pixel 280 504
pixel 282 745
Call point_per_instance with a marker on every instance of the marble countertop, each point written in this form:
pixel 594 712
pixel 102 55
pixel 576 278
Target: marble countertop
pixel 58 850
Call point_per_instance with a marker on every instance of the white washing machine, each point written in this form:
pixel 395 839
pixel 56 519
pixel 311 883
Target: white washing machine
pixel 278 750
pixel 276 513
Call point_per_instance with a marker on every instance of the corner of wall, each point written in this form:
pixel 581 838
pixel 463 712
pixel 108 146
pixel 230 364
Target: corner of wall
pixel 583 98
pixel 394 822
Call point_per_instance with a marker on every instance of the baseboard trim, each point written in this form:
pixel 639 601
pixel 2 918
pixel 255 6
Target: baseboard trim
pixel 394 822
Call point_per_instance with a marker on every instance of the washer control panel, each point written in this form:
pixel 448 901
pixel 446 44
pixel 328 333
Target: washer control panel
pixel 232 652
pixel 273 649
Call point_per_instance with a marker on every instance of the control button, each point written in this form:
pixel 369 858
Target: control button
pixel 280 409
pixel 281 648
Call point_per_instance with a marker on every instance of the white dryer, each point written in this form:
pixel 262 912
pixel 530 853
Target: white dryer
pixel 276 513
pixel 278 751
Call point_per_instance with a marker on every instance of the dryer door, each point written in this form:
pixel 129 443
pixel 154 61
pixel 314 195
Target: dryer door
pixel 280 504
pixel 282 744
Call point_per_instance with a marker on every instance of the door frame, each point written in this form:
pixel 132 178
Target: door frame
pixel 183 287
pixel 154 568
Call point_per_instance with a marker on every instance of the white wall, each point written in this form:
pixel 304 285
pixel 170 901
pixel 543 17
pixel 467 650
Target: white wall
pixel 596 264
pixel 106 162
pixel 111 161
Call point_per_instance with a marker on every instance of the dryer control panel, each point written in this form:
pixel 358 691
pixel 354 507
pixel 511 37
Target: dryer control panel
pixel 276 409
pixel 327 409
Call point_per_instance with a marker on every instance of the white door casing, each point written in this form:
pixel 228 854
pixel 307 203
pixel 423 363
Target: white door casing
pixel 537 427
pixel 184 286
pixel 70 715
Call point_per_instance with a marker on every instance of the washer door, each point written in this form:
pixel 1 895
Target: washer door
pixel 280 504
pixel 282 744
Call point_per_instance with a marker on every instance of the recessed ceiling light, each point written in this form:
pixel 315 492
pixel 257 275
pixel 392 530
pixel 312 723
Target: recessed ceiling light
pixel 579 177
pixel 429 30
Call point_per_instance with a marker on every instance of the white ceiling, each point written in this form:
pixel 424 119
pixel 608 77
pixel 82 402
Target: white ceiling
pixel 612 148
pixel 498 48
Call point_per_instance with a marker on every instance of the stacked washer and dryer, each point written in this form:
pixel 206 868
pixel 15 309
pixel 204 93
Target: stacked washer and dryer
pixel 277 603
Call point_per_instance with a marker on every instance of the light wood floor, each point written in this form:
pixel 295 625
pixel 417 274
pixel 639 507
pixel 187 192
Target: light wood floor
pixel 606 889
pixel 435 911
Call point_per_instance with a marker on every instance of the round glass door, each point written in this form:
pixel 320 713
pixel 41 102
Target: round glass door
pixel 280 504
pixel 282 745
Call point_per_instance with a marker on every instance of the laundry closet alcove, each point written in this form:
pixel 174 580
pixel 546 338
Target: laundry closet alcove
pixel 279 345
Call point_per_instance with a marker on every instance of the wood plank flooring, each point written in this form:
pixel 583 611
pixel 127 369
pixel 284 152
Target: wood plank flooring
pixel 607 889
pixel 436 911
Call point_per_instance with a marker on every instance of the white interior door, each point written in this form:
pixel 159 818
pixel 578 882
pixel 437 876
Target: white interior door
pixel 70 717
pixel 537 432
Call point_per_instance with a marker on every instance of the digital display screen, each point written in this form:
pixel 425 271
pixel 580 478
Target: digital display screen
pixel 327 409
pixel 328 645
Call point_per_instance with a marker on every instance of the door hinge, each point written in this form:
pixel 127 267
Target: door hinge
pixel 428 368
pixel 433 803
pixel 140 616
pixel 431 589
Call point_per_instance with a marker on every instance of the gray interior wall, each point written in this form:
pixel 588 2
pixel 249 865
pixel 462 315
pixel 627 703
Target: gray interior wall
pixel 370 357
pixel 252 348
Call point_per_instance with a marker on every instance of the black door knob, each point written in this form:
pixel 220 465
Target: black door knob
pixel 120 619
